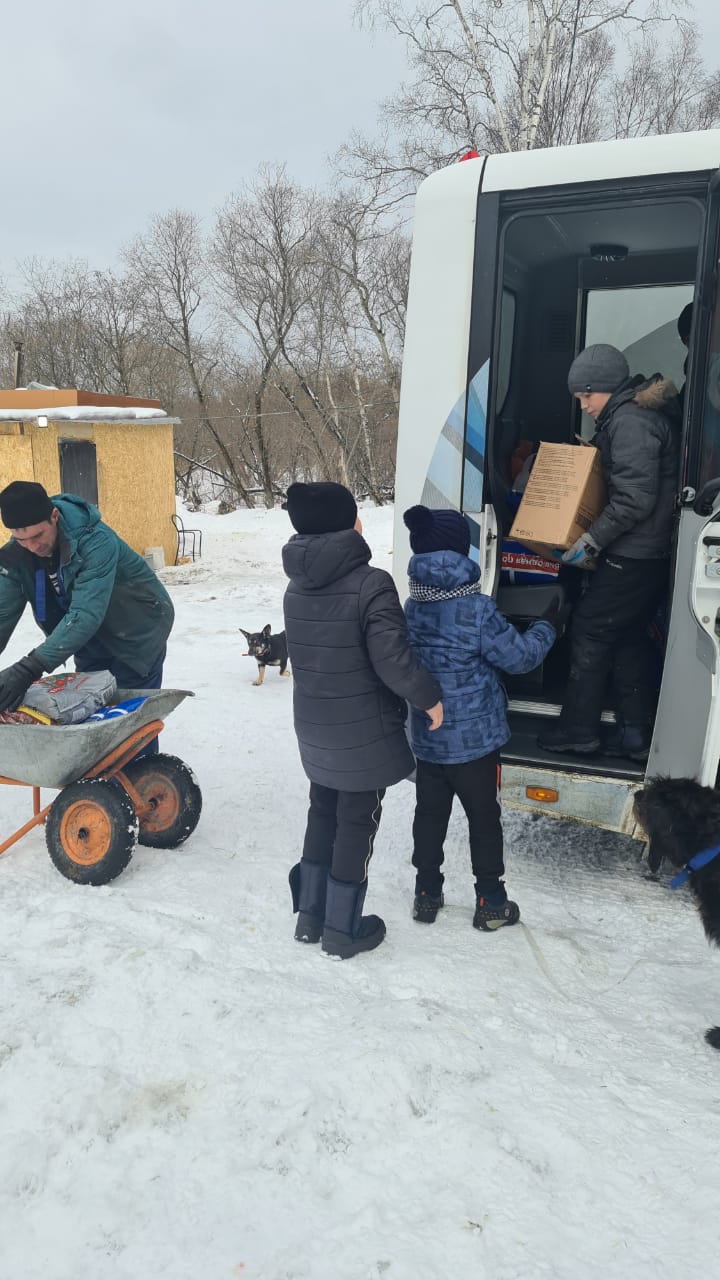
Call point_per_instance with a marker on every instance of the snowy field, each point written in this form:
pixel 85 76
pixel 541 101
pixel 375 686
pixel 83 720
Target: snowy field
pixel 189 1093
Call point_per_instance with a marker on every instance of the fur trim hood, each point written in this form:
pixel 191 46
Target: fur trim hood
pixel 657 393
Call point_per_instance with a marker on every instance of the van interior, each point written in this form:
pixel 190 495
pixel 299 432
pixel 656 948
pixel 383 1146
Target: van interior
pixel 574 272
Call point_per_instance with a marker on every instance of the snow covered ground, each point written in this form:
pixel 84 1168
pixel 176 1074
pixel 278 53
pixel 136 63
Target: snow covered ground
pixel 188 1093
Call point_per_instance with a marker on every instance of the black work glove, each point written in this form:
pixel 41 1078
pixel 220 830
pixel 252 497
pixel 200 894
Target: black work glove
pixel 16 680
pixel 557 615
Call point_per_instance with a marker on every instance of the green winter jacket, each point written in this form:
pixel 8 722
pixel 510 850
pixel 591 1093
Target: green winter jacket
pixel 110 593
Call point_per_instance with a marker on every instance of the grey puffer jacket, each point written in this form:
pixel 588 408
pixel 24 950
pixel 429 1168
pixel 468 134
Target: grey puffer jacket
pixel 638 438
pixel 351 663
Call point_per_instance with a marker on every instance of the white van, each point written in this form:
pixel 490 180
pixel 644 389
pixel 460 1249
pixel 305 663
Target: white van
pixel 519 261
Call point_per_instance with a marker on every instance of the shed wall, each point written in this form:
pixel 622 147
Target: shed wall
pixel 135 472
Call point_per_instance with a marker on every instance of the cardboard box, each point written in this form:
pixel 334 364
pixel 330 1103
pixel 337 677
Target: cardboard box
pixel 564 494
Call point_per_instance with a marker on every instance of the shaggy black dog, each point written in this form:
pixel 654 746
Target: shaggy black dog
pixel 682 819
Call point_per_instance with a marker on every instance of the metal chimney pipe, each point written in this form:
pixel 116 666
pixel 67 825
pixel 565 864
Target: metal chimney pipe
pixel 19 363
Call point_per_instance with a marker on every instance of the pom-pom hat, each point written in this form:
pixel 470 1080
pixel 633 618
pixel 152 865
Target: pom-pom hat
pixel 437 530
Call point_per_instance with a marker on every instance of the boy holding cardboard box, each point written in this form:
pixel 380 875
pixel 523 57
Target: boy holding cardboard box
pixel 628 544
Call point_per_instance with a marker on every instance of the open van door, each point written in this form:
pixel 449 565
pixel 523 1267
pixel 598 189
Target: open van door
pixel 686 740
pixel 476 503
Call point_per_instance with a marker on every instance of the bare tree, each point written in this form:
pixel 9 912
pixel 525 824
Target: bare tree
pixel 120 350
pixel 257 253
pixel 169 269
pixel 373 259
pixel 664 90
pixel 524 73
pixel 268 269
pixel 52 318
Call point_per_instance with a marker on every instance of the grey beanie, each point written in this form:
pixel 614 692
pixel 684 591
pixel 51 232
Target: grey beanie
pixel 598 368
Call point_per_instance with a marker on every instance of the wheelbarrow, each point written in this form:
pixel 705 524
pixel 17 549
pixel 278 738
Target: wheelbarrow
pixel 108 800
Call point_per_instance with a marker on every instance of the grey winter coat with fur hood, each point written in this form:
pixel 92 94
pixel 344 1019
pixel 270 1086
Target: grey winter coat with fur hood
pixel 638 438
pixel 352 665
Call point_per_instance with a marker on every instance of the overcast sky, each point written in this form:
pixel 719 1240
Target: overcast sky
pixel 111 113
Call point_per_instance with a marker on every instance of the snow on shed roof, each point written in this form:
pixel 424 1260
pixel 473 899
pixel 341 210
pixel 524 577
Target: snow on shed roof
pixel 86 413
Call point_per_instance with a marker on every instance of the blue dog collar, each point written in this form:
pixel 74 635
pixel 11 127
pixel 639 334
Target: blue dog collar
pixel 697 861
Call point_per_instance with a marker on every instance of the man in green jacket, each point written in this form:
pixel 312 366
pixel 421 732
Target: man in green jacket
pixel 92 595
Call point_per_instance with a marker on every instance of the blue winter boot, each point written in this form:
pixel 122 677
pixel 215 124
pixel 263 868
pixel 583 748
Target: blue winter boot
pixel 308 886
pixel 347 931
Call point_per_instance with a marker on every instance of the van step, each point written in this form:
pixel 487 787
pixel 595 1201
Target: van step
pixel 523 749
pixel 547 709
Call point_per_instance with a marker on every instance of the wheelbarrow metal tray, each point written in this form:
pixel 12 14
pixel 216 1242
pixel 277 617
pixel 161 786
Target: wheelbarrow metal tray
pixel 55 755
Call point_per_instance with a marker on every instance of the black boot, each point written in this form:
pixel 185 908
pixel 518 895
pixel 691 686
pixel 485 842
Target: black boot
pixel 494 910
pixel 346 930
pixel 308 886
pixel 581 740
pixel 631 740
pixel 426 906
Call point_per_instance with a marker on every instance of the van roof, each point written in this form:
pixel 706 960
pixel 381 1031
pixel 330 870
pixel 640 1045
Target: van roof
pixel 587 162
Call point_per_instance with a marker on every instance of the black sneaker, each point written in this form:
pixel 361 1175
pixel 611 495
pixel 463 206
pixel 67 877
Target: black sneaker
pixel 425 907
pixel 581 741
pixel 489 918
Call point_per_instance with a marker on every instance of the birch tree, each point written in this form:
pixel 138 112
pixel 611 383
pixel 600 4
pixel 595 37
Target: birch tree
pixel 511 75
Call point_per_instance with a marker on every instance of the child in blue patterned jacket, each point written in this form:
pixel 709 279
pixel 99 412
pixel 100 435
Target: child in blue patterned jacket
pixel 458 634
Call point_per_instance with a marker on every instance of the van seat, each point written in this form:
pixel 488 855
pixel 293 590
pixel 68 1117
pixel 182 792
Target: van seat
pixel 531 600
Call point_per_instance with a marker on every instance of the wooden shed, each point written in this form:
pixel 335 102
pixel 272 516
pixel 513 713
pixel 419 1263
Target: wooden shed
pixel 115 451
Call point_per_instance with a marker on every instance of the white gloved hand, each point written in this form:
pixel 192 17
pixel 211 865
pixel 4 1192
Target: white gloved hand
pixel 583 553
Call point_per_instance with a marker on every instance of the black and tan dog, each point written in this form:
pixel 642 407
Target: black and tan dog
pixel 682 822
pixel 268 651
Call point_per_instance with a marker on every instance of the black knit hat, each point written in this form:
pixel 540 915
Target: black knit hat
pixel 324 507
pixel 598 368
pixel 684 322
pixel 24 503
pixel 437 530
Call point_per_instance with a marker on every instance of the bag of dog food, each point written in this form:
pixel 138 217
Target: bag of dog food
pixel 69 697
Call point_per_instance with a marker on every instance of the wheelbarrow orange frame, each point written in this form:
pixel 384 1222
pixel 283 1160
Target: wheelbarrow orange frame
pixel 111 766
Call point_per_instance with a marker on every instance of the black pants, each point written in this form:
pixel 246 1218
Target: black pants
pixel 341 830
pixel 609 634
pixel 476 784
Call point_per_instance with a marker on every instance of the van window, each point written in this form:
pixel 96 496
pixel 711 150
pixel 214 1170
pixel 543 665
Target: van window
pixel 505 348
pixel 642 322
pixel 710 439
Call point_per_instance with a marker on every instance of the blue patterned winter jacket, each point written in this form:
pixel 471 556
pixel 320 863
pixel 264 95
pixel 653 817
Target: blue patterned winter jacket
pixel 464 641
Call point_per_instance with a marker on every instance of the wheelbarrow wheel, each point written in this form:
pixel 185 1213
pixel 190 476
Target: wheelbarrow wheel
pixel 91 831
pixel 169 787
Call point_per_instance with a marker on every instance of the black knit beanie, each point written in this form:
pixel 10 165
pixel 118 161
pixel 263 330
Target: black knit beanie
pixel 23 503
pixel 322 507
pixel 437 530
